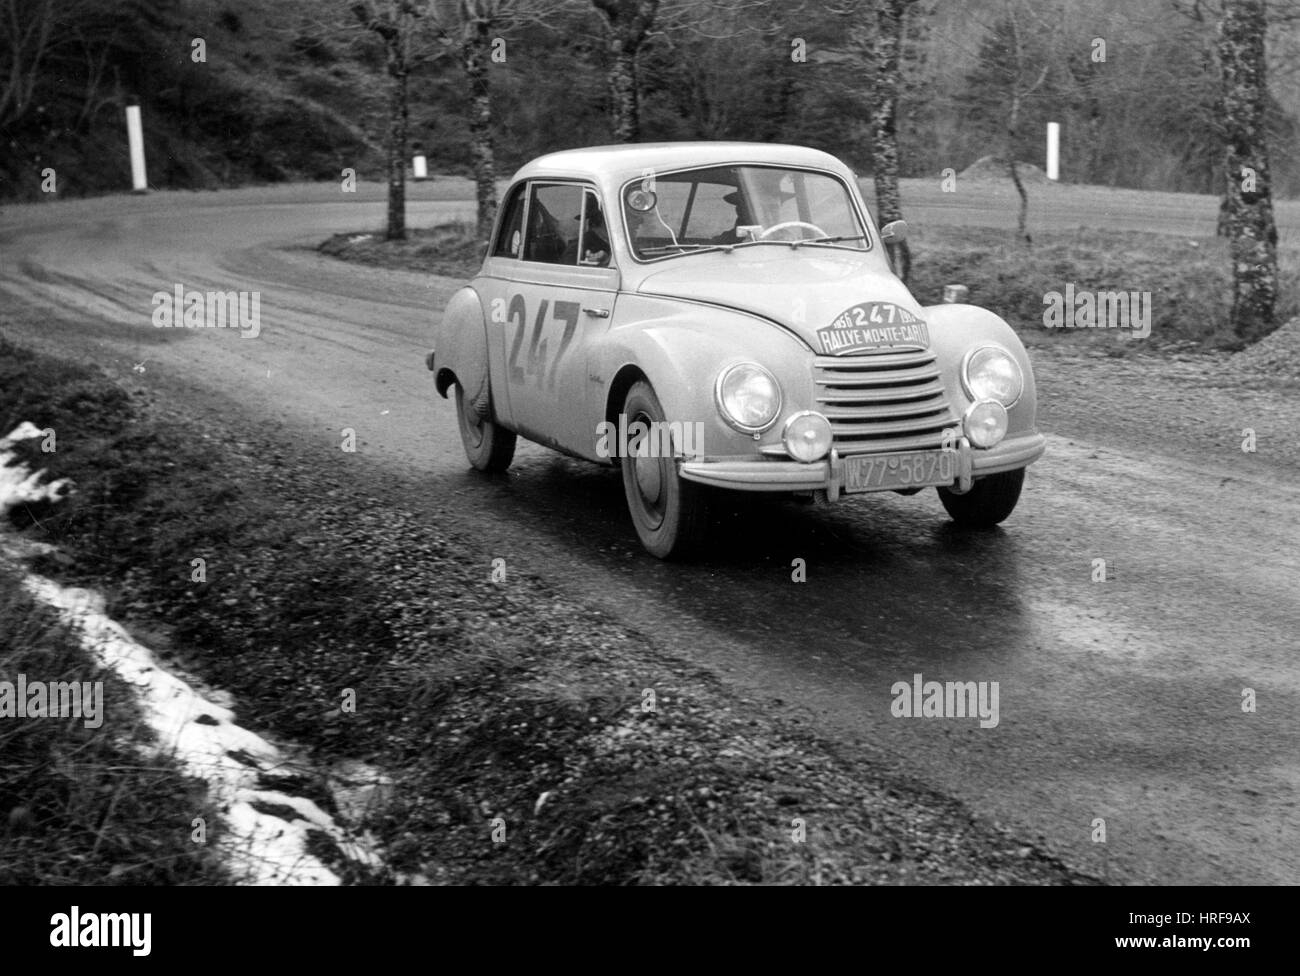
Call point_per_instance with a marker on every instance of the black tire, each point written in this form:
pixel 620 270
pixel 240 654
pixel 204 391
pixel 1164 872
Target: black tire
pixel 669 513
pixel 990 500
pixel 488 445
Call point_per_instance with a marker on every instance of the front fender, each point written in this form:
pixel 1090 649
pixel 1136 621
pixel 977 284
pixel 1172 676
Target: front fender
pixel 955 330
pixel 681 348
pixel 460 346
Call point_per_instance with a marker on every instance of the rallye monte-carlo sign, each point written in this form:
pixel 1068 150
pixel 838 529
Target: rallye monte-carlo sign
pixel 872 325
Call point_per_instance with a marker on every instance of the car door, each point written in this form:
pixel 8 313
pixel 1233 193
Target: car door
pixel 549 287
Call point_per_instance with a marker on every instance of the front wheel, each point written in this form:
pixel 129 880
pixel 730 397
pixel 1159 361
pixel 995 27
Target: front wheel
pixel 990 500
pixel 670 513
pixel 488 445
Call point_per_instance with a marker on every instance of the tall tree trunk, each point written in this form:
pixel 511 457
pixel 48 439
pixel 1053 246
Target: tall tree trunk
pixel 627 22
pixel 477 52
pixel 1022 216
pixel 394 30
pixel 397 129
pixel 884 130
pixel 625 107
pixel 1013 123
pixel 1248 196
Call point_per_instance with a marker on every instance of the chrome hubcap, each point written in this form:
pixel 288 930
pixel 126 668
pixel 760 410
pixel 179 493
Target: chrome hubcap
pixel 649 479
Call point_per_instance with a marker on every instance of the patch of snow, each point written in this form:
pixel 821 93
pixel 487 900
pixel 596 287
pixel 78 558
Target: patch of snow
pixel 18 486
pixel 199 735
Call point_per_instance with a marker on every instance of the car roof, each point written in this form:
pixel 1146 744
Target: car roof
pixel 614 165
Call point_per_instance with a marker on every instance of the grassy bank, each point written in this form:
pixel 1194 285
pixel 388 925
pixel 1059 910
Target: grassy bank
pixel 80 804
pixel 447 249
pixel 1189 280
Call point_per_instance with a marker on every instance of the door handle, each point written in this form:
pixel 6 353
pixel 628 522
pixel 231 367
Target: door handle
pixel 597 313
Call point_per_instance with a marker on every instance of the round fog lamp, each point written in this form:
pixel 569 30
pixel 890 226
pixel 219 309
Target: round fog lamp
pixel 807 436
pixel 986 423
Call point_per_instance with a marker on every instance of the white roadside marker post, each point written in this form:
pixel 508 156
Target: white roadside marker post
pixel 135 142
pixel 1053 151
pixel 419 164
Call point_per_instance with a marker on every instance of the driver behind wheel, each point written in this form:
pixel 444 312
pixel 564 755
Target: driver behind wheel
pixel 743 218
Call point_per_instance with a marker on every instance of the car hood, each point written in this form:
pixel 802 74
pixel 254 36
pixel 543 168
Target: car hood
pixel 837 301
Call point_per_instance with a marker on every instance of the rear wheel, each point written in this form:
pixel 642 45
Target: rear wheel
pixel 990 500
pixel 488 445
pixel 670 514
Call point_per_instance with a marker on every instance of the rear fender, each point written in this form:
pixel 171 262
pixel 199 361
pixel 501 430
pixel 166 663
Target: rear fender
pixel 460 348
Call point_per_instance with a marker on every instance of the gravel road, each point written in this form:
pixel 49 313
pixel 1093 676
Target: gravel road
pixel 1119 700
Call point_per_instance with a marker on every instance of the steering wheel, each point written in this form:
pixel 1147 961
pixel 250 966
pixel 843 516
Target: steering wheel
pixel 792 223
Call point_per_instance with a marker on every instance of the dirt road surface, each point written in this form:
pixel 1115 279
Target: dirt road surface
pixel 1118 700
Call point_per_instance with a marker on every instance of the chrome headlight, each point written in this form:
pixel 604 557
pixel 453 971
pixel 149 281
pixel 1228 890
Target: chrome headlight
pixel 985 423
pixel 749 397
pixel 807 436
pixel 992 373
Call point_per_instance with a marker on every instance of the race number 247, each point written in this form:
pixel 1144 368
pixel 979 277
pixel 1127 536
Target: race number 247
pixel 535 364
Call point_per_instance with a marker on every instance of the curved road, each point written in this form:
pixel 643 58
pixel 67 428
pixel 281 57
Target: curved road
pixel 1118 700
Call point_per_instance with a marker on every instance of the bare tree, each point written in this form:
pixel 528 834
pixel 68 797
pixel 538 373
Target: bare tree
pixel 627 24
pixel 471 30
pixel 1248 192
pixel 890 21
pixel 416 31
pixel 33 33
pixel 1017 95
pixel 27 34
pixel 402 28
pixel 474 41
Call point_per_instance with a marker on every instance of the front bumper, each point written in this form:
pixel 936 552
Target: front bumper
pixel 747 474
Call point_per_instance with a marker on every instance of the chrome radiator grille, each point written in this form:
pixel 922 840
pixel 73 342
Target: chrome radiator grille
pixel 883 402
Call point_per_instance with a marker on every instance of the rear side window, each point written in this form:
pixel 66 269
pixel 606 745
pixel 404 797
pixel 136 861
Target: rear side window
pixel 511 237
pixel 595 233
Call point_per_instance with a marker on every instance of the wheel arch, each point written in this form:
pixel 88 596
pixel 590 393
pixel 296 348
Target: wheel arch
pixel 623 381
pixel 461 345
pixel 443 380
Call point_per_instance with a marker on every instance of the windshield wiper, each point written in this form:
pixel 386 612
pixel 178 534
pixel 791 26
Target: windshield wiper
pixel 831 240
pixel 698 248
pixel 692 248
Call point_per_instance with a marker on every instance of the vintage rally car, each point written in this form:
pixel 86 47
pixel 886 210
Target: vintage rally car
pixel 723 316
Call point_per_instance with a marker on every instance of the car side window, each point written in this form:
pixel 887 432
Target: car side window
pixel 594 247
pixel 511 238
pixel 554 223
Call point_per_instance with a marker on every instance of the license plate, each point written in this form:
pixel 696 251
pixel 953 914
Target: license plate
pixel 911 469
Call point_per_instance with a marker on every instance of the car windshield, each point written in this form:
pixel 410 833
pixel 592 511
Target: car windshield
pixel 726 206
